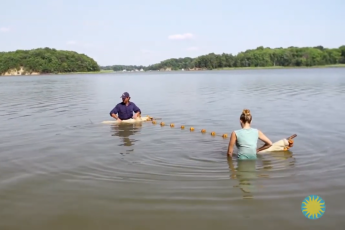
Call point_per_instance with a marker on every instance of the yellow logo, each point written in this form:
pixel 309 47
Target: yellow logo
pixel 313 207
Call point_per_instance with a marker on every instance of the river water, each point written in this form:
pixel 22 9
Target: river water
pixel 60 168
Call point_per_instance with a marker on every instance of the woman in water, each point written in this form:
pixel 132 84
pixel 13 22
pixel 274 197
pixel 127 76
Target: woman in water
pixel 246 139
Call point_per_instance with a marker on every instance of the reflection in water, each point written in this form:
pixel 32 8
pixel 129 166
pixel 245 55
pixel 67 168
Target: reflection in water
pixel 125 130
pixel 282 159
pixel 244 173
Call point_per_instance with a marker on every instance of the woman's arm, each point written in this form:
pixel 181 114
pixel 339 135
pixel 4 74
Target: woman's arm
pixel 231 144
pixel 268 142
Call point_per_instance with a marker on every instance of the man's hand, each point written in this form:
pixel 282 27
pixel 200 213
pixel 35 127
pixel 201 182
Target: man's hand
pixel 115 117
pixel 135 115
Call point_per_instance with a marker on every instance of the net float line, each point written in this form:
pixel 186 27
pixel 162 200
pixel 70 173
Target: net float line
pixel 192 129
pixel 282 145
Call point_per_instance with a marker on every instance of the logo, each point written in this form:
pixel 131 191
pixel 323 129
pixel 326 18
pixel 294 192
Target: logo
pixel 313 207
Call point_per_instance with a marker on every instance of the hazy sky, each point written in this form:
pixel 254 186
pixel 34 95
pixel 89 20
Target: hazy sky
pixel 146 32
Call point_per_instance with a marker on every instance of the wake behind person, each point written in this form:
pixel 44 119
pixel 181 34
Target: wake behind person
pixel 246 139
pixel 124 110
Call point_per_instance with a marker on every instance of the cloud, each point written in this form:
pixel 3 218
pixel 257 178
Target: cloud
pixel 181 36
pixel 4 29
pixel 193 48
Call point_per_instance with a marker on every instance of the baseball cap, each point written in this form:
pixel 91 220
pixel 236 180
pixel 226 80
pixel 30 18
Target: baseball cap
pixel 125 94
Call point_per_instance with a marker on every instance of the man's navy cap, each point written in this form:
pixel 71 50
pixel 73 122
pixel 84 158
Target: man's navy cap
pixel 125 95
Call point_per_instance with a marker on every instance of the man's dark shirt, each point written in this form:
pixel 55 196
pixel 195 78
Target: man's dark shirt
pixel 125 112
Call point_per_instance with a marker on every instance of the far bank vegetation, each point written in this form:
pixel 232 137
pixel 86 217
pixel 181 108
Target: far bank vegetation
pixel 45 61
pixel 251 58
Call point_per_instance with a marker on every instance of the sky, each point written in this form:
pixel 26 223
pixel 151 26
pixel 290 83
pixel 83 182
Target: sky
pixel 146 32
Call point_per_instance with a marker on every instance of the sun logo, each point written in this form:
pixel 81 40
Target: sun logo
pixel 313 207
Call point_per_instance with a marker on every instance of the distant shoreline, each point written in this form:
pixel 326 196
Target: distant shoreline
pixel 91 72
pixel 235 68
pixel 65 73
pixel 42 61
pixel 200 70
pixel 244 68
pixel 283 67
pixel 49 61
pixel 266 57
pixel 240 68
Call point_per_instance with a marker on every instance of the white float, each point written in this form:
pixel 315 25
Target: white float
pixel 138 119
pixel 281 145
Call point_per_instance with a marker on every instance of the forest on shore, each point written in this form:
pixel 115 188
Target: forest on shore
pixel 48 60
pixel 45 60
pixel 259 57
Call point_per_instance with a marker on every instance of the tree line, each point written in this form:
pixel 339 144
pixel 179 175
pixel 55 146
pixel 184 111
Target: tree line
pixel 259 57
pixel 123 67
pixel 46 60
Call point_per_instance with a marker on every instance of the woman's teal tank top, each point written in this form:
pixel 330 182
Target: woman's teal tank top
pixel 246 143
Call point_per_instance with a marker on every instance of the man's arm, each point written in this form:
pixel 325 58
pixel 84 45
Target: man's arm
pixel 136 110
pixel 113 113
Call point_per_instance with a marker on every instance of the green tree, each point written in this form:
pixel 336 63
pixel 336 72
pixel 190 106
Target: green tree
pixel 259 57
pixel 46 60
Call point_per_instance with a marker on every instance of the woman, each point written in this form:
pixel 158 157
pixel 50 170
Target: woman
pixel 246 138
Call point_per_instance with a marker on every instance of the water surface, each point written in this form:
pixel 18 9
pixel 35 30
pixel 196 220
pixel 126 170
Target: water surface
pixel 60 168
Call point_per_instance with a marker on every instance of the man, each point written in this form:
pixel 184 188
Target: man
pixel 125 109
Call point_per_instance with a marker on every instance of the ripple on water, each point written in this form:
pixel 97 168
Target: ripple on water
pixel 175 163
pixel 53 153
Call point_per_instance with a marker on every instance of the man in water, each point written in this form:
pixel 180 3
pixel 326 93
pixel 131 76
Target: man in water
pixel 125 109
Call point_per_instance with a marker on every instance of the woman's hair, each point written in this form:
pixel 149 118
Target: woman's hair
pixel 246 117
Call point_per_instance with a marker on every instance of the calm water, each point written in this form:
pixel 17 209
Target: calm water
pixel 60 168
